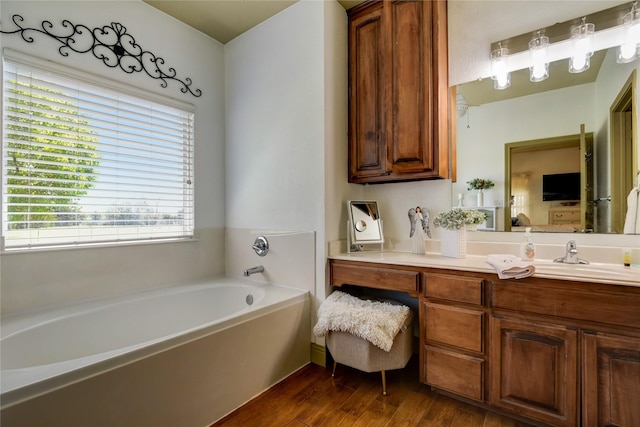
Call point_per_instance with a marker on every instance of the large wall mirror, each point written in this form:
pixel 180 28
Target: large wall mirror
pixel 497 130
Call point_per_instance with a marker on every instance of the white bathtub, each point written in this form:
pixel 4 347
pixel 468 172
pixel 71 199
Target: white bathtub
pixel 230 338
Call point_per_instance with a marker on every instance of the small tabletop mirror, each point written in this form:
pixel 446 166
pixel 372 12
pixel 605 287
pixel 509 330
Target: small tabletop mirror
pixel 365 225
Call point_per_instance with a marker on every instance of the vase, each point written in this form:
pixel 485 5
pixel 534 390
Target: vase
pixel 480 198
pixel 453 243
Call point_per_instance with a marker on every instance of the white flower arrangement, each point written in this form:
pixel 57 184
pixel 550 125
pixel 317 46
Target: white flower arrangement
pixel 457 218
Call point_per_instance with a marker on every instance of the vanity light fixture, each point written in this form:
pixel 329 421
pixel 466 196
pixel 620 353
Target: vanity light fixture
pixel 630 47
pixel 499 68
pixel 575 39
pixel 582 40
pixel 539 69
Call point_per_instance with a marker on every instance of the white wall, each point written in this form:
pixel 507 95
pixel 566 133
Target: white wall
pixel 36 279
pixel 286 125
pixel 275 128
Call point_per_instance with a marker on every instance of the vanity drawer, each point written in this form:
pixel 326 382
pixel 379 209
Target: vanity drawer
pixel 454 326
pixel 614 305
pixel 375 277
pixel 454 288
pixel 457 373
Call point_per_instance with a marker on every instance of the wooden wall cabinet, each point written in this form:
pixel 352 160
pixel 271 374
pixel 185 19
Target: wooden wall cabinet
pixel 398 91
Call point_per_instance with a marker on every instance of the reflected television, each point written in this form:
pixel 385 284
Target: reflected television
pixel 561 186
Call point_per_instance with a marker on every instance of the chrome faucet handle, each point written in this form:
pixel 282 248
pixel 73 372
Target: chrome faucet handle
pixel 261 246
pixel 571 254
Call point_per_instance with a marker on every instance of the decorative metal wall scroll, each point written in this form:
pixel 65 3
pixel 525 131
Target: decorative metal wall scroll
pixel 111 44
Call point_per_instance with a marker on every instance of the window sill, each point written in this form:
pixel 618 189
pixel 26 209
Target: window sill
pixel 97 245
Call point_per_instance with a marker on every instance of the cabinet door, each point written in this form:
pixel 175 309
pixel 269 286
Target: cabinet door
pixel 409 131
pixel 610 380
pixel 398 91
pixel 417 131
pixel 367 153
pixel 534 370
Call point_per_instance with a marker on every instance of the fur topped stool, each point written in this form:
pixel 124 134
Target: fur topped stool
pixel 367 335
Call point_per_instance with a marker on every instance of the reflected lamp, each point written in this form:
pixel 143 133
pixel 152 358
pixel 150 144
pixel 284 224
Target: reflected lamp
pixel 539 68
pixel 582 40
pixel 499 68
pixel 630 47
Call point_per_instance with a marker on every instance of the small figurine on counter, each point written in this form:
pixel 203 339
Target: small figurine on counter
pixel 421 216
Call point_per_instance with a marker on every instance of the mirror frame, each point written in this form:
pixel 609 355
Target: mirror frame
pixel 371 233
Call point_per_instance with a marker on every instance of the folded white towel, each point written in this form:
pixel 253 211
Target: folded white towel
pixel 510 267
pixel 632 220
pixel 376 322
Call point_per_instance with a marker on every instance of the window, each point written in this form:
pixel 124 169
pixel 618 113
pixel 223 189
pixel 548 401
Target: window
pixel 86 163
pixel 519 194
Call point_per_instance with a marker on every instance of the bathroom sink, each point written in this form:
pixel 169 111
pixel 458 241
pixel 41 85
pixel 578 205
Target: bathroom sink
pixel 602 271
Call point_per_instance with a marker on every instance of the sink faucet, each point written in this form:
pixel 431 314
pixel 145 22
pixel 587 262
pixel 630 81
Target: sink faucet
pixel 571 255
pixel 253 270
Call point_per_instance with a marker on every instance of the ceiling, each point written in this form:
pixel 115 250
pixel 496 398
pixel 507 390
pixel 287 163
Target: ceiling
pixel 224 20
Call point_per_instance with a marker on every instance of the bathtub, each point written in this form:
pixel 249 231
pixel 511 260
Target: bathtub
pixel 184 355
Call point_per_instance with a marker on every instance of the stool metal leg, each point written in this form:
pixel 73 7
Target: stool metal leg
pixel 333 374
pixel 384 384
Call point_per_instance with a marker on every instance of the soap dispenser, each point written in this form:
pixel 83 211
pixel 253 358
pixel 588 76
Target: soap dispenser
pixel 527 248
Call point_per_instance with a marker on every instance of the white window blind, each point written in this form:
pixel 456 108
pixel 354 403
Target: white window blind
pixel 83 163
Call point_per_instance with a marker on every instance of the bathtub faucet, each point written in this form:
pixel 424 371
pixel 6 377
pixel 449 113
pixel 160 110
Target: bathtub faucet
pixel 253 270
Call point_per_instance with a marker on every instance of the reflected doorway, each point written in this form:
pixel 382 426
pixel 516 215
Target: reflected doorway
pixel 623 148
pixel 523 184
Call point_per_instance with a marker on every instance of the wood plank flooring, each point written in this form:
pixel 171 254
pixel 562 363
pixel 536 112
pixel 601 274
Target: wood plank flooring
pixel 310 397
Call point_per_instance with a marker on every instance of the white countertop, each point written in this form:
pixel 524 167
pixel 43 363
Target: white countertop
pixel 595 272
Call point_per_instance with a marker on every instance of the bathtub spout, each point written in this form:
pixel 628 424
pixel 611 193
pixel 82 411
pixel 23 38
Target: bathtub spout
pixel 253 270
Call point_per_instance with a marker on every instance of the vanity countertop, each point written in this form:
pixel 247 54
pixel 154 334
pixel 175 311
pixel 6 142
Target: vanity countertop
pixel 594 272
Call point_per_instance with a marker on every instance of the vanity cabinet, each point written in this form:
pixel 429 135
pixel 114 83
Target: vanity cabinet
pixel 565 353
pixel 452 334
pixel 398 91
pixel 557 352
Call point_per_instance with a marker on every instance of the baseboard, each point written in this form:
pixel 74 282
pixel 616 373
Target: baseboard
pixel 318 354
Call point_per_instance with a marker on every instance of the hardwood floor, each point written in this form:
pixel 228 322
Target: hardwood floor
pixel 310 397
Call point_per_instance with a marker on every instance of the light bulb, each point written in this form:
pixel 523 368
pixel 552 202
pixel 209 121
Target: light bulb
pixel 499 69
pixel 539 69
pixel 582 50
pixel 630 47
